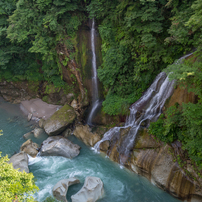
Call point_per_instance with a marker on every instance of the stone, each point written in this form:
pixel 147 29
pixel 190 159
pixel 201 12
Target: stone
pixel 59 146
pixel 66 133
pixel 74 104
pixel 38 108
pixel 37 132
pixel 60 120
pixel 27 135
pixel 91 191
pixel 20 160
pixel 61 188
pixel 104 146
pixel 83 133
pixel 29 117
pixel 30 148
pixel 41 123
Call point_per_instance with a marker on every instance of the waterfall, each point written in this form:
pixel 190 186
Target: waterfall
pixel 95 97
pixel 148 108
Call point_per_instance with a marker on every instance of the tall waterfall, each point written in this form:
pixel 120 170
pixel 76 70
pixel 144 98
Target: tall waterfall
pixel 148 108
pixel 95 98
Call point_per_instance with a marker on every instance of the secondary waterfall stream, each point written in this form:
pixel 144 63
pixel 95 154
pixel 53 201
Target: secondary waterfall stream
pixel 148 108
pixel 95 96
pixel 120 185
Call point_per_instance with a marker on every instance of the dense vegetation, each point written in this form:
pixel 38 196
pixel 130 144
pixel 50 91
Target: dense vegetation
pixel 140 38
pixel 15 185
pixel 184 123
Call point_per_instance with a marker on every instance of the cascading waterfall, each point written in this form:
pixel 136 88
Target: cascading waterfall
pixel 148 108
pixel 95 97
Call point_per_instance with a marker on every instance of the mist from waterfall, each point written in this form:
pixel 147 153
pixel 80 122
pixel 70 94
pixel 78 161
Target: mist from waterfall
pixel 95 97
pixel 148 108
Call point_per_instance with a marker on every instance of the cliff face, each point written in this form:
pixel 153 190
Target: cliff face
pixel 159 162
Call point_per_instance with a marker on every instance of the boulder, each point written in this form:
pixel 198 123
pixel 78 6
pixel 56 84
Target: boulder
pixel 83 133
pixel 91 191
pixel 38 108
pixel 29 117
pixel 41 123
pixel 37 132
pixel 59 146
pixel 61 188
pixel 66 133
pixel 30 148
pixel 60 120
pixel 74 104
pixel 20 160
pixel 27 135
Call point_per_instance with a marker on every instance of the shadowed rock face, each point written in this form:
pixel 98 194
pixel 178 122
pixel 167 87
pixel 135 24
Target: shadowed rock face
pixel 30 148
pixel 91 191
pixel 61 188
pixel 155 161
pixel 84 134
pixel 20 161
pixel 60 120
pixel 38 108
pixel 59 146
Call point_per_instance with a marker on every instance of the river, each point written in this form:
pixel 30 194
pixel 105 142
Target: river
pixel 120 184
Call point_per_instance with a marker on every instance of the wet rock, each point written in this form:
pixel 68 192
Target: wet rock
pixel 61 188
pixel 27 135
pixel 38 108
pixel 181 95
pixel 155 161
pixel 20 160
pixel 74 104
pixel 30 148
pixel 69 97
pixel 83 133
pixel 104 146
pixel 66 133
pixel 59 146
pixel 91 191
pixel 41 123
pixel 29 117
pixel 37 132
pixel 60 120
pixel 144 140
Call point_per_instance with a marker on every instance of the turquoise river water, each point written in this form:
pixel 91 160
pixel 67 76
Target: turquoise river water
pixel 120 185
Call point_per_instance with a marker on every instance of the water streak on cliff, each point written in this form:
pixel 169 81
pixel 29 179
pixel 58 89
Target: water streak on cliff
pixel 95 97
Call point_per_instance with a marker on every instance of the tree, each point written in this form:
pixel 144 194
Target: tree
pixel 15 185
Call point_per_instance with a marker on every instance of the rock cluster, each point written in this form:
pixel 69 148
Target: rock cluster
pixel 60 120
pixel 59 146
pixel 20 161
pixel 91 191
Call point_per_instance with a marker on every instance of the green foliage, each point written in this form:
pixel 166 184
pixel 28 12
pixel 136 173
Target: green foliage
pixel 50 199
pixel 139 39
pixel 15 185
pixel 184 123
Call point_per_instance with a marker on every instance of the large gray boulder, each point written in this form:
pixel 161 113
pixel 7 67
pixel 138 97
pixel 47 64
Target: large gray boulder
pixel 30 148
pixel 61 188
pixel 60 120
pixel 20 160
pixel 38 108
pixel 59 146
pixel 91 191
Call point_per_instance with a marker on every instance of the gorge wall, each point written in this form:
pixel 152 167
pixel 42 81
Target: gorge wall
pixel 154 159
